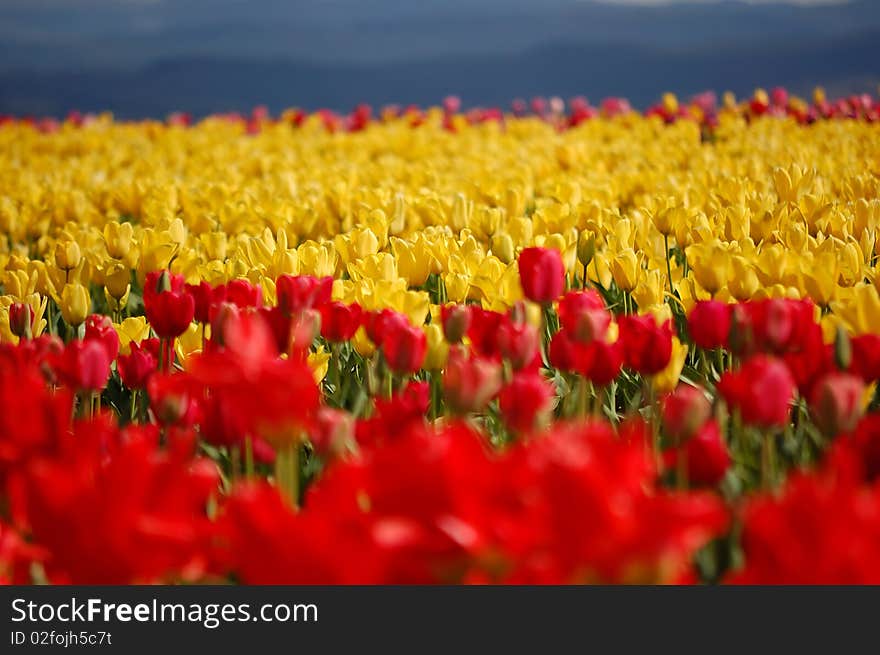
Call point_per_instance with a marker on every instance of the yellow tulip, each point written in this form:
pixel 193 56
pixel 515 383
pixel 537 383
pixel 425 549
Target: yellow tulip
pixel 67 255
pixel 625 269
pixel 117 238
pixel 438 348
pixel 710 264
pixel 667 379
pixel 76 304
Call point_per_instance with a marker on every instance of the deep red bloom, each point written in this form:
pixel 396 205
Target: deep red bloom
pixel 82 366
pixel 600 362
pixel 340 321
pixel 456 321
pixel 203 297
pixel 518 343
pixel 541 274
pixel 378 323
pixel 394 417
pixel 762 390
pixel 706 456
pixel 866 356
pixel 169 311
pixel 483 330
pixel 298 292
pixel 470 382
pixel 821 529
pixel 100 328
pixel 404 347
pixel 685 411
pixel 583 315
pixel 563 351
pixel 121 510
pixel 526 402
pixel 135 369
pixel 243 294
pixel 21 319
pixel 709 324
pixel 837 402
pixel 647 347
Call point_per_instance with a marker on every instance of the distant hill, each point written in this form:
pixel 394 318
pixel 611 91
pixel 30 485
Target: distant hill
pixel 204 85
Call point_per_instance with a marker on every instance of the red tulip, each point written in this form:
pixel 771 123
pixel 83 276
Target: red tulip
pixel 168 308
pixel 136 368
pixel 762 390
pixel 518 343
pixel 483 330
pixel 600 362
pixel 100 328
pixel 296 293
pixel 377 324
pixel 647 347
pixel 244 294
pixel 837 403
pixel 339 321
pixel 83 365
pixel 709 324
pixel 21 320
pixel 203 297
pixel 469 383
pixel 583 315
pixel 404 347
pixel 456 321
pixel 526 402
pixel 541 274
pixel 706 456
pixel 866 356
pixel 685 411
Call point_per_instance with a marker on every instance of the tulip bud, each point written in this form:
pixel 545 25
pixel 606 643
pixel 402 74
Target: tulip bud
pixel 75 304
pixel 526 403
pixel 541 274
pixel 502 247
pixel 117 237
pixel 21 319
pixel 842 349
pixel 685 411
pixel 117 280
pixel 469 383
pixel 404 347
pixel 222 315
pixel 741 337
pixel 170 407
pixel 305 328
pixel 836 402
pixel 67 255
pixel 456 321
pixel 586 247
pixel 518 343
pixel 334 432
pixel 438 348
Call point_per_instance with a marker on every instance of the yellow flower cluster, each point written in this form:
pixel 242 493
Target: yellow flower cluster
pixel 765 208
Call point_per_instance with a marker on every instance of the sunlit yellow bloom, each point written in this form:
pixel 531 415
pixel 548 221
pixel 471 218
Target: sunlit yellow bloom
pixel 438 348
pixel 75 304
pixel 625 269
pixel 133 329
pixel 667 379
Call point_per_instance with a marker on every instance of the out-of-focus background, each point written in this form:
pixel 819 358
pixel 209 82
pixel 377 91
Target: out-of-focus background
pixel 142 58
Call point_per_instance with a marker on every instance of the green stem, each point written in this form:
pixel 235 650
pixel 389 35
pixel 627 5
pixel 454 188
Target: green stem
pixel 668 266
pixel 248 457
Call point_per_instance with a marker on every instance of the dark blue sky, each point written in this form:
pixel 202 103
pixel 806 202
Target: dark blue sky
pixel 143 57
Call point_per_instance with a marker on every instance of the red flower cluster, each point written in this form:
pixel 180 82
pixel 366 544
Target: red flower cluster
pixel 578 505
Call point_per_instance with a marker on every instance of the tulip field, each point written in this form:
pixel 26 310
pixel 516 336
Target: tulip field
pixel 557 343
